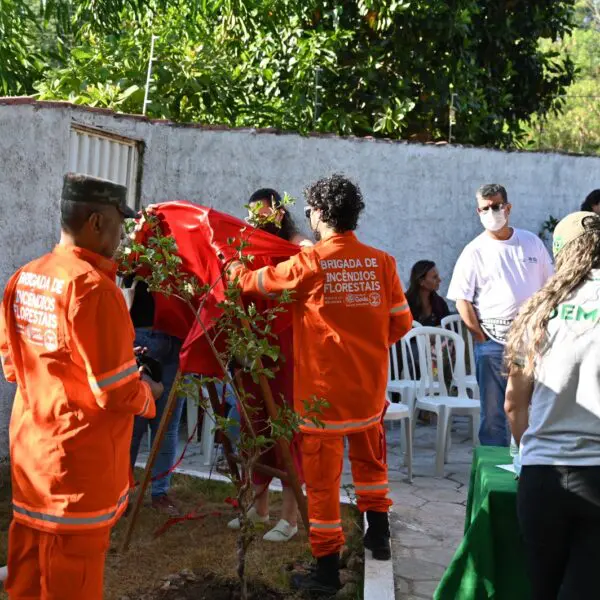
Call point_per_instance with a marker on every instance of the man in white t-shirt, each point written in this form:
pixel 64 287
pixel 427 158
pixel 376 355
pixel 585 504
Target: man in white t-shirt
pixel 494 275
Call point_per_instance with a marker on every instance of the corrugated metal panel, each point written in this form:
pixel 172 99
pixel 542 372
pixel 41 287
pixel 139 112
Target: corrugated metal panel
pixel 101 155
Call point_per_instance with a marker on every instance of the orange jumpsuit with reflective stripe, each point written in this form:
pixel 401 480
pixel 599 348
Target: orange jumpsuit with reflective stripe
pixel 349 309
pixel 66 339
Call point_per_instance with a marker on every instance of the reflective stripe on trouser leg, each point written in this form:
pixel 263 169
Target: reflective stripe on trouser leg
pixel 322 460
pixel 369 469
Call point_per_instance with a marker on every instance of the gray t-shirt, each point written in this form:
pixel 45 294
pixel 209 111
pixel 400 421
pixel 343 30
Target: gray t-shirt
pixel 564 420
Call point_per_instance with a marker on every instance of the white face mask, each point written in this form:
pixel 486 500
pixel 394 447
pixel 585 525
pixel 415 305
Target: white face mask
pixel 493 221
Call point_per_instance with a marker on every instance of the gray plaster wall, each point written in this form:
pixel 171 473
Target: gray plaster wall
pixel 420 198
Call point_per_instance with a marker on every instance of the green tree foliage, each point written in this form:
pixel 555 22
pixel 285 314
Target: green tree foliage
pixel 576 126
pixel 362 67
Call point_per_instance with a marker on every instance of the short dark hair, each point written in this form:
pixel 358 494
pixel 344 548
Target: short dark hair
pixel 591 200
pixel 492 189
pixel 73 215
pixel 339 201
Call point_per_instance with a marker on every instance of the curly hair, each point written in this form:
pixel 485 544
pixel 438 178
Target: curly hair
pixel 528 335
pixel 339 201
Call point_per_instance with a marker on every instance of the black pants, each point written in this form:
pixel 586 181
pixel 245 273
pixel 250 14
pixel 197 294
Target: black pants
pixel 559 513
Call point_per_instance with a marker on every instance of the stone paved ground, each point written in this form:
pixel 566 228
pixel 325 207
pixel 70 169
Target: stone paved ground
pixel 427 517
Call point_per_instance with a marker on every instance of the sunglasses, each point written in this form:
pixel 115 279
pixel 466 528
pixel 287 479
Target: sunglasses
pixel 493 208
pixel 307 210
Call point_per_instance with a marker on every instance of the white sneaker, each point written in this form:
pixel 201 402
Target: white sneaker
pixel 282 532
pixel 253 516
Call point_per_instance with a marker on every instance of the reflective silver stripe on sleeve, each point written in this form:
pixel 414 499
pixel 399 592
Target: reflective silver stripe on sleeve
pixel 141 414
pixel 39 516
pixel 103 383
pixel 400 308
pixel 261 285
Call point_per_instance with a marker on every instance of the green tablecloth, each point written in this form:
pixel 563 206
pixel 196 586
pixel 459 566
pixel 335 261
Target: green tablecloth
pixel 490 561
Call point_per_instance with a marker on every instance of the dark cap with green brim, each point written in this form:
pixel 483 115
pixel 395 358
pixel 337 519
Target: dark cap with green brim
pixel 78 187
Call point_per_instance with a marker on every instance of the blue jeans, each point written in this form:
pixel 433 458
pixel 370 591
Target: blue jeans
pixel 489 368
pixel 233 432
pixel 165 349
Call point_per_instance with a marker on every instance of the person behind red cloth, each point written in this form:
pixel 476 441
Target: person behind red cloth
pixel 266 202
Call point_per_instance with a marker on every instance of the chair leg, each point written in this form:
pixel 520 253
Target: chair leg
pixel 208 435
pixel 402 437
pixel 475 422
pixel 192 415
pixel 448 438
pixel 411 403
pixel 408 455
pixel 442 433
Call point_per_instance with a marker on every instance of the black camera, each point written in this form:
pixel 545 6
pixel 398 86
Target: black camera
pixel 150 367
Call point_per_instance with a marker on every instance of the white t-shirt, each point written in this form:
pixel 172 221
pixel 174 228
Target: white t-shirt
pixel 564 419
pixel 498 276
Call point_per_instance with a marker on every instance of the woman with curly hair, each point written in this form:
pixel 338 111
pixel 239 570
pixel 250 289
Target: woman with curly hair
pixel 553 407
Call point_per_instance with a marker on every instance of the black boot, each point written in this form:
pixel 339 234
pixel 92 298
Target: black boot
pixel 377 538
pixel 323 580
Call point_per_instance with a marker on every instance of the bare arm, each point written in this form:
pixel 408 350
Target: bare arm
pixel 516 403
pixel 469 316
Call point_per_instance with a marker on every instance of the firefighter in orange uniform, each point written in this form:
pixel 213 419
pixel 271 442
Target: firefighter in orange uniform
pixel 66 340
pixel 349 309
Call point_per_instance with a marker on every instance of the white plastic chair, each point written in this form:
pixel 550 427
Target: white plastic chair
pixel 397 383
pixel 431 393
pixel 455 323
pixel 207 438
pixel 397 411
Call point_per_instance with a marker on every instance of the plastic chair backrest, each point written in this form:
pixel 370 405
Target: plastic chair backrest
pixel 394 365
pixel 455 323
pixel 433 344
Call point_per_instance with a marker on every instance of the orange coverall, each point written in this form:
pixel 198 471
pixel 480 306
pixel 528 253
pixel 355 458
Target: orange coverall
pixel 349 309
pixel 66 339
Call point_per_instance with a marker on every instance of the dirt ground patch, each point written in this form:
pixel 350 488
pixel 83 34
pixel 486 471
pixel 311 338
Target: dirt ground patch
pixel 204 547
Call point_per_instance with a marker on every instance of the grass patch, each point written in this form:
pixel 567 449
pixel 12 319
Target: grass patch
pixel 204 545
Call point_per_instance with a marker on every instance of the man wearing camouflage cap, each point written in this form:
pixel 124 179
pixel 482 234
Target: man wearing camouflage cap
pixel 66 340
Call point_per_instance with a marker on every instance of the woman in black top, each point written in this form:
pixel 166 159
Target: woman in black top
pixel 426 305
pixel 428 308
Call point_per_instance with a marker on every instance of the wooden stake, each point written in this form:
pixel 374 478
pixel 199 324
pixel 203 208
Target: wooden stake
pixel 290 474
pixel 284 445
pixel 160 434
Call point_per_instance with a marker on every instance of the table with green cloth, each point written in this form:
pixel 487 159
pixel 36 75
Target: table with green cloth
pixel 490 561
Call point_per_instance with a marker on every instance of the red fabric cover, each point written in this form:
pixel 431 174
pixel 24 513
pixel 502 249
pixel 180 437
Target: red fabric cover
pixel 202 234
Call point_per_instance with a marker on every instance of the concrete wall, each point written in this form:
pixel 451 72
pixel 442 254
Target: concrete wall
pixel 420 198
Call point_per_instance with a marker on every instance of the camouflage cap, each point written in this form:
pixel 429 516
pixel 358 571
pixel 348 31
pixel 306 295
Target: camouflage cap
pixel 572 227
pixel 85 188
